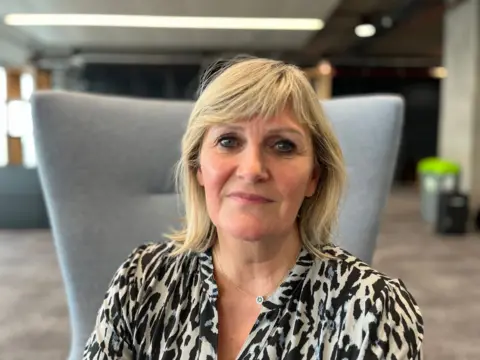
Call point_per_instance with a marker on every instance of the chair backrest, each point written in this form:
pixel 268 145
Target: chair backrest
pixel 105 165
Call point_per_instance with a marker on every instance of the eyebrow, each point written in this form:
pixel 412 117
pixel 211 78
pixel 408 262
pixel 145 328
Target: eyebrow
pixel 273 131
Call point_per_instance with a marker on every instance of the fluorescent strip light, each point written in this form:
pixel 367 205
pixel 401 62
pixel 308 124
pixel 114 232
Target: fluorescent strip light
pixel 175 22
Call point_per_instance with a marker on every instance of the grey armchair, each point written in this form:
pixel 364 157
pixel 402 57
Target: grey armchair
pixel 105 165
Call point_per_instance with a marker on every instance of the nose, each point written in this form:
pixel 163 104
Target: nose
pixel 251 166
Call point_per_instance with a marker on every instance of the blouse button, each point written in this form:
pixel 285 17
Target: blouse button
pixel 259 299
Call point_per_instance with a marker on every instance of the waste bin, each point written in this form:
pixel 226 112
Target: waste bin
pixel 452 213
pixel 436 176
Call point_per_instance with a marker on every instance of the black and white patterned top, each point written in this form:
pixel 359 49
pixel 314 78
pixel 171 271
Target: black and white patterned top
pixel 161 307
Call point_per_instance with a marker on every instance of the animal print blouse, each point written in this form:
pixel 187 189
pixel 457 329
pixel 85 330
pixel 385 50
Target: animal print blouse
pixel 159 307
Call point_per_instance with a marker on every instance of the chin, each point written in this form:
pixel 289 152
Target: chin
pixel 248 236
pixel 249 226
pixel 250 231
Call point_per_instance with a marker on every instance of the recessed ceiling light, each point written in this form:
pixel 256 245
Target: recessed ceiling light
pixel 175 22
pixel 439 72
pixel 387 22
pixel 324 68
pixel 365 30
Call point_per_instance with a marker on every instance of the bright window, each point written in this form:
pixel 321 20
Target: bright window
pixel 3 118
pixel 3 135
pixel 20 124
pixel 28 149
pixel 16 119
pixel 3 85
pixel 19 115
pixel 27 86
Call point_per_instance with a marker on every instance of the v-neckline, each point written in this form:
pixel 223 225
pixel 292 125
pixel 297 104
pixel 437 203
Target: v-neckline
pixel 274 303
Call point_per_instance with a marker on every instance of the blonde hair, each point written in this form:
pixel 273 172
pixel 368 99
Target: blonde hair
pixel 255 87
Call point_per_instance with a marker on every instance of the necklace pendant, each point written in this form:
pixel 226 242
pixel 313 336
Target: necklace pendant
pixel 260 299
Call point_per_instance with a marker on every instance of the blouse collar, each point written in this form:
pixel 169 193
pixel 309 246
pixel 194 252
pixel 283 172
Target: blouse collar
pixel 280 296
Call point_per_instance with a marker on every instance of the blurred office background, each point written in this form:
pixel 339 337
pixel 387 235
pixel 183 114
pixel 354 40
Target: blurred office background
pixel 428 51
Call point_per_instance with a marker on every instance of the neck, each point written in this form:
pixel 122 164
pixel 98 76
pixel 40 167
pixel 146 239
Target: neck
pixel 259 266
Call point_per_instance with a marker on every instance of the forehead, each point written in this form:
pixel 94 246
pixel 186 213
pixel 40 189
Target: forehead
pixel 282 120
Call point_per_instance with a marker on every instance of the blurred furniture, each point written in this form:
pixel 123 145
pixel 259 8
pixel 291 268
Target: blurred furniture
pixel 106 168
pixel 22 205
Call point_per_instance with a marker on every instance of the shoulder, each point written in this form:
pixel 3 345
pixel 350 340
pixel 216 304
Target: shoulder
pixel 147 271
pixel 154 261
pixel 374 300
pixel 354 273
pixel 350 275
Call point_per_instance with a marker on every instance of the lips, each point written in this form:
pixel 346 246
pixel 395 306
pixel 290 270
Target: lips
pixel 249 197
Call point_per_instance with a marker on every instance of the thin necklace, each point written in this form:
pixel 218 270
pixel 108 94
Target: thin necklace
pixel 258 298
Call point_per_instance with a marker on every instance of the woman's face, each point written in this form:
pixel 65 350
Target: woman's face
pixel 256 175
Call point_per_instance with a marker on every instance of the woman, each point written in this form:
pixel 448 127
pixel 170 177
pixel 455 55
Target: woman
pixel 253 275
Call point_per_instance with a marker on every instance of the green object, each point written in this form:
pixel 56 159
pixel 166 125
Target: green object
pixel 436 176
pixel 438 166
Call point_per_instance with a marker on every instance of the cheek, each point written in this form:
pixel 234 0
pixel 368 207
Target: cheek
pixel 214 174
pixel 293 183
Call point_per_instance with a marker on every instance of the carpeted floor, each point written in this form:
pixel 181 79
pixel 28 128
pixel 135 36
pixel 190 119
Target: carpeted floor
pixel 442 273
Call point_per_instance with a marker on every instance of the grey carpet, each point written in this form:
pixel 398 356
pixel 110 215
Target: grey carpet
pixel 442 273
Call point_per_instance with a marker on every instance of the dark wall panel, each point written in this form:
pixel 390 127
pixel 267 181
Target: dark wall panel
pixel 422 101
pixel 22 204
pixel 149 81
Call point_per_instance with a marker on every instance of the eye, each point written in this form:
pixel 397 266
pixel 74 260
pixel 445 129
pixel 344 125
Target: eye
pixel 227 141
pixel 284 146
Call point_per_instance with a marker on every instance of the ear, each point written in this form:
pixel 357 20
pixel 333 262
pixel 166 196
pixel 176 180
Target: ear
pixel 313 181
pixel 200 176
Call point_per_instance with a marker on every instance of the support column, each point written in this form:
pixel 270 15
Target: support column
pixel 459 128
pixel 58 79
pixel 15 155
pixel 321 77
pixel 43 80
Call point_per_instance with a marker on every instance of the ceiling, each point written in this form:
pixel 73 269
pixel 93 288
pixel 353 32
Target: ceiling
pixel 414 37
pixel 151 40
